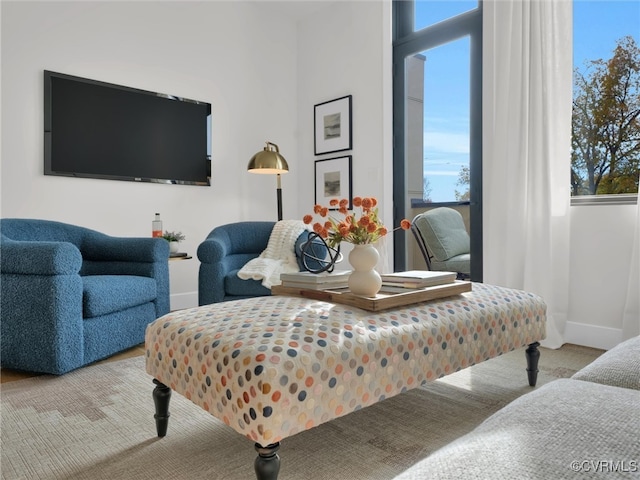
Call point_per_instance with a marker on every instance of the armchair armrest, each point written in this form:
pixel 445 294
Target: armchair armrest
pixel 212 250
pixel 42 289
pixel 39 258
pixel 105 248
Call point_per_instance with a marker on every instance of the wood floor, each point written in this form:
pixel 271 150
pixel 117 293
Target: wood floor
pixel 7 375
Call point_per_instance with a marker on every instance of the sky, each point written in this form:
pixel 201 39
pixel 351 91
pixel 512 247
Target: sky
pixel 598 24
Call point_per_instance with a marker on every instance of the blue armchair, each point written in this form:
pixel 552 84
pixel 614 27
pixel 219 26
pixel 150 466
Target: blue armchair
pixel 71 296
pixel 226 250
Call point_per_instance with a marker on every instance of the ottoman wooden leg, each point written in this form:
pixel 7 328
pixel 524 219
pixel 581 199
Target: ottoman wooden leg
pixel 533 355
pixel 161 397
pixel 267 463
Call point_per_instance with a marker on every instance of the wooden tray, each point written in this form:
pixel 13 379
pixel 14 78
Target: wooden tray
pixel 382 300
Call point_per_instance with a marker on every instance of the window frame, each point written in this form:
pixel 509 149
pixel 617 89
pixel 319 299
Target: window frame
pixel 407 42
pixel 604 199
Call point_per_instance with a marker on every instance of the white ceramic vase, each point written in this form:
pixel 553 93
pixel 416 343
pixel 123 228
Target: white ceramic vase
pixel 173 247
pixel 364 280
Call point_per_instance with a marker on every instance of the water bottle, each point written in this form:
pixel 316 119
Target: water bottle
pixel 156 226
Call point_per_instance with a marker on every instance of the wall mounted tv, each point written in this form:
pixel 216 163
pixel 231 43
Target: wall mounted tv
pixel 95 129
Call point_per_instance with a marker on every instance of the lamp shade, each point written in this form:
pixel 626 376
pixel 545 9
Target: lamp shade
pixel 268 161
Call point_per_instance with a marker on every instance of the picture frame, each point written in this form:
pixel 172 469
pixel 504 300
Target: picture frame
pixel 332 126
pixel 333 181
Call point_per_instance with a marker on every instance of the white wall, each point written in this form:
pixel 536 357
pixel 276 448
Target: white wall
pixel 601 246
pixel 239 56
pixel 259 67
pixel 345 49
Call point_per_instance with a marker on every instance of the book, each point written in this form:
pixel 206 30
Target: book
pixel 398 289
pixel 315 286
pixel 418 278
pixel 309 278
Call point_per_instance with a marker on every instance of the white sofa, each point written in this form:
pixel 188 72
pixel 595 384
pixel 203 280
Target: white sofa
pixel 586 425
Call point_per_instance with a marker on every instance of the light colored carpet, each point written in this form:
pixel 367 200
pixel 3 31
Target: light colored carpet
pixel 97 423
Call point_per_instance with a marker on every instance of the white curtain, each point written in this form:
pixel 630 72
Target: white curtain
pixel 527 99
pixel 631 318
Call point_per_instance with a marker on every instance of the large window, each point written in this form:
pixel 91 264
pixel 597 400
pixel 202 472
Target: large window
pixel 437 114
pixel 445 139
pixel 605 156
pixel 446 103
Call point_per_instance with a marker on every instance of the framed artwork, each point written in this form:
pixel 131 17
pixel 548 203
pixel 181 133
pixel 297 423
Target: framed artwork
pixel 333 180
pixel 332 126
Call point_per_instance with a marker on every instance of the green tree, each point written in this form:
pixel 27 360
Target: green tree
pixel 464 180
pixel 426 190
pixel 605 127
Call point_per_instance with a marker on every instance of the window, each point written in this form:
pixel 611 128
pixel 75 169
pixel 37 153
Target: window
pixel 430 12
pixel 605 157
pixel 446 105
pixel 446 123
pixel 438 114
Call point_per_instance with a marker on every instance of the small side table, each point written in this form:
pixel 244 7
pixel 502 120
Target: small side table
pixel 179 256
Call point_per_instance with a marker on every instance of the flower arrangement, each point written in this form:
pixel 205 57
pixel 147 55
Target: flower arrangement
pixel 173 236
pixel 356 227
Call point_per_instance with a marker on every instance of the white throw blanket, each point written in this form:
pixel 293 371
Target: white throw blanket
pixel 279 256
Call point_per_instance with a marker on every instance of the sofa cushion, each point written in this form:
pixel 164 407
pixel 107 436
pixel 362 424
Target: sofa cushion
pixel 234 285
pixel 548 433
pixel 103 294
pixel 619 367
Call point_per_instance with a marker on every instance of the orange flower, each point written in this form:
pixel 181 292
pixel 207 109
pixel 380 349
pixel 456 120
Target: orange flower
pixel 355 227
pixel 367 204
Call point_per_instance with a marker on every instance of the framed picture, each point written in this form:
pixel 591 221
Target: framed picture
pixel 332 126
pixel 333 180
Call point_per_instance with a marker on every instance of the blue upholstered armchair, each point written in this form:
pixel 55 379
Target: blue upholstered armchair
pixel 225 251
pixel 71 296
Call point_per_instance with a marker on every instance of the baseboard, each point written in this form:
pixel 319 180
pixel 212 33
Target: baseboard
pixel 180 301
pixel 592 335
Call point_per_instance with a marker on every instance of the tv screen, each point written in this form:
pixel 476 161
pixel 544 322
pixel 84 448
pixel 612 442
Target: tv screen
pixel 95 129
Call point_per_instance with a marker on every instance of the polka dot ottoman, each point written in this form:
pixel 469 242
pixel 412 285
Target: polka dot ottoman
pixel 270 367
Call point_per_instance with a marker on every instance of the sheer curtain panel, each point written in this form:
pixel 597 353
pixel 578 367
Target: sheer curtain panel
pixel 527 101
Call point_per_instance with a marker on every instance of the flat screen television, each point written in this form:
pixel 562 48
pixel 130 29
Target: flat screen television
pixel 94 129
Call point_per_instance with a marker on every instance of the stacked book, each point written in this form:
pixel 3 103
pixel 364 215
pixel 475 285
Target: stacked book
pixel 315 281
pixel 400 282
